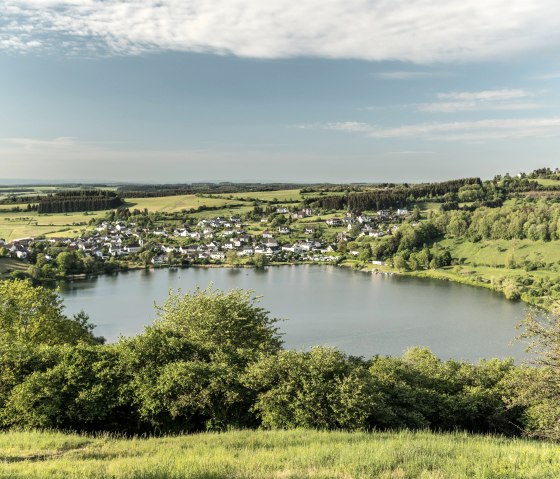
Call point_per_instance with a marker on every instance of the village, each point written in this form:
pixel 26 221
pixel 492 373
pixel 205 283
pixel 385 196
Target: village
pixel 301 236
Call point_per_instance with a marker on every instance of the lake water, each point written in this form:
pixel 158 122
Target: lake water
pixel 360 313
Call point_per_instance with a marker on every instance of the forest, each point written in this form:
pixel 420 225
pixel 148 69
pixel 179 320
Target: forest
pixel 81 200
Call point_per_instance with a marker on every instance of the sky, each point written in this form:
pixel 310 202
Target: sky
pixel 250 90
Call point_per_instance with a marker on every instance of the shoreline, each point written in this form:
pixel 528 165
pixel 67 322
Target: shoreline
pixel 440 275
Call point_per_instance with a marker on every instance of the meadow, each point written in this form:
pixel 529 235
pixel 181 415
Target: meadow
pixel 279 195
pixel 23 224
pixel 276 454
pixel 172 204
pixel 15 225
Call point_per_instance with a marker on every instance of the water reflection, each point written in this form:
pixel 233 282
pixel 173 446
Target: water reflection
pixel 362 314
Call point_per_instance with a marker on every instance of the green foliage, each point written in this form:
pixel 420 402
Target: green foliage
pixel 538 389
pixel 34 315
pixel 186 368
pixel 212 360
pixel 327 390
pixel 307 390
pixel 82 388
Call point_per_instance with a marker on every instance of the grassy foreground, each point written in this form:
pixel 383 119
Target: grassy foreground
pixel 279 454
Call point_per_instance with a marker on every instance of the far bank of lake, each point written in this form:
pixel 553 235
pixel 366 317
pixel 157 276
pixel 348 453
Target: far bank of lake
pixel 360 313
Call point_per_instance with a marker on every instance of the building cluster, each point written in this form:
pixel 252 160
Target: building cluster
pixel 217 238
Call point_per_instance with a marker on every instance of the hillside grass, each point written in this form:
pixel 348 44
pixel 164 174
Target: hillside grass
pixel 547 182
pixel 7 265
pixel 172 204
pixel 277 454
pixel 280 195
pixel 15 225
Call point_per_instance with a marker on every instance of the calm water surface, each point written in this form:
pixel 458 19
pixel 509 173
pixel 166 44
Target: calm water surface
pixel 360 313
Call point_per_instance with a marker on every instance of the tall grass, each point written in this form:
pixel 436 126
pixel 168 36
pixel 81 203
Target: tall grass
pixel 278 454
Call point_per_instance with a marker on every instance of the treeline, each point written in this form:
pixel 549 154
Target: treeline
pixel 397 197
pixel 214 360
pixel 537 221
pixel 147 191
pixel 83 200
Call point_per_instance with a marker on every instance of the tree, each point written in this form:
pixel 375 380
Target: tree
pixel 188 365
pixel 538 389
pixel 232 258
pixel 260 261
pixel 316 389
pixel 34 315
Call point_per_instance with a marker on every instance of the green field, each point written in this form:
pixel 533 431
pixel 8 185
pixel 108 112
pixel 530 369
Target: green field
pixel 280 195
pixel 279 454
pixel 171 204
pixel 15 225
pixel 7 265
pixel 547 182
pixel 25 224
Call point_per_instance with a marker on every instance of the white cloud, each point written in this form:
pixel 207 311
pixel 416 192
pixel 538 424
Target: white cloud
pixel 485 95
pixel 28 143
pixel 409 75
pixel 479 130
pixel 505 99
pixel 421 31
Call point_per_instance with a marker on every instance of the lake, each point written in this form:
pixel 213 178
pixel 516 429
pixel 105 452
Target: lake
pixel 360 313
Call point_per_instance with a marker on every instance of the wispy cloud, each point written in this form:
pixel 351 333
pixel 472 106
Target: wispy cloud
pixel 409 75
pixel 505 99
pixel 421 31
pixel 546 76
pixel 60 142
pixel 451 102
pixel 479 130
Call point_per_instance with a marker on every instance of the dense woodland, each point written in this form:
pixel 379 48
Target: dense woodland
pixel 79 200
pixel 214 360
pixel 392 197
pixel 151 190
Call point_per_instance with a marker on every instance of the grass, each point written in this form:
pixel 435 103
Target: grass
pixel 278 454
pixel 7 265
pixel 30 223
pixel 496 252
pixel 15 225
pixel 547 182
pixel 171 204
pixel 280 195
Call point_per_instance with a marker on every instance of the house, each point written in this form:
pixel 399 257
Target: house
pixel 334 222
pixel 267 234
pixel 133 248
pixel 271 243
pixel 284 230
pixel 21 254
pixel 309 230
pixel 159 259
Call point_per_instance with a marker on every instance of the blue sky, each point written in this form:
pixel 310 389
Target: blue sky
pixel 241 90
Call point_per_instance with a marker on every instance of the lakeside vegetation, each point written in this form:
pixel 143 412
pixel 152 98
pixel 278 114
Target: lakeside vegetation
pixel 214 360
pixel 207 391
